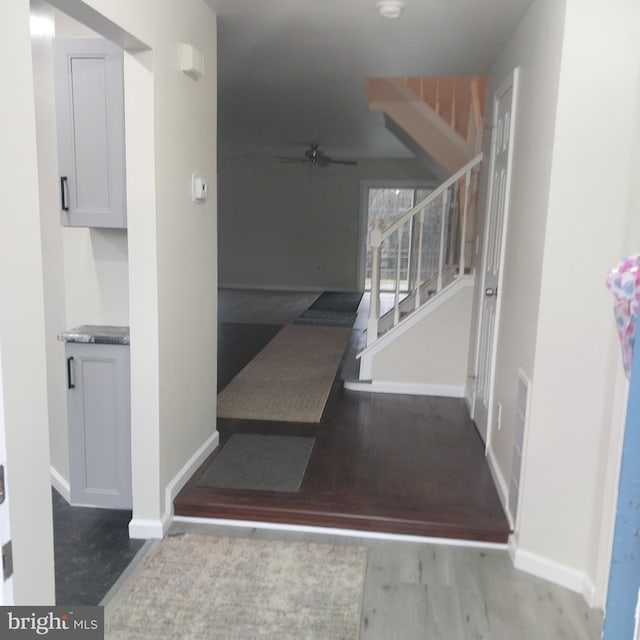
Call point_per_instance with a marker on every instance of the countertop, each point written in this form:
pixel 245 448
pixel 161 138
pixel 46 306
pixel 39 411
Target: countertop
pixel 96 334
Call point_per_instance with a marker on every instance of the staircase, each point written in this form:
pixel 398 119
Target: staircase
pixel 420 344
pixel 440 115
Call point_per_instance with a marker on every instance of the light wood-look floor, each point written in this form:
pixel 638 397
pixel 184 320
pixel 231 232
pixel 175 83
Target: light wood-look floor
pixel 421 591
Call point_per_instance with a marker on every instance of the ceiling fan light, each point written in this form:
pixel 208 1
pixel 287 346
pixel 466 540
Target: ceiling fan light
pixel 390 8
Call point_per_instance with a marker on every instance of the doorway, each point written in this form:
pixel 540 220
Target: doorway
pixel 86 279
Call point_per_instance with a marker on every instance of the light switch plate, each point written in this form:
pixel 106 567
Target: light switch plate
pixel 199 188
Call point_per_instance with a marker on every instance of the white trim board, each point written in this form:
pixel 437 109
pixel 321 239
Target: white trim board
pixel 60 484
pixel 555 572
pixel 144 528
pixel 501 485
pixel 350 533
pixel 406 388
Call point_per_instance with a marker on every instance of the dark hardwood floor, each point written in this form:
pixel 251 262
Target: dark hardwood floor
pixel 388 463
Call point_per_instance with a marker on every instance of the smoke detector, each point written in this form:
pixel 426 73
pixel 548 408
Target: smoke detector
pixel 390 8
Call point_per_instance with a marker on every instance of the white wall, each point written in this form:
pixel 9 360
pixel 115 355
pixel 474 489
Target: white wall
pixel 577 355
pixel 573 205
pixel 434 351
pixel 43 20
pixel 96 273
pixel 96 265
pixel 172 242
pixel 295 226
pixel 535 49
pixel 22 321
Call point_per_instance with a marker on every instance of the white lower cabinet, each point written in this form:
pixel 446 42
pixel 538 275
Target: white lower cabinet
pixel 98 401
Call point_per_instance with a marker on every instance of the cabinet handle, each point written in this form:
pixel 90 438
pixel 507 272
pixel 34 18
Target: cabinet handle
pixel 63 193
pixel 70 384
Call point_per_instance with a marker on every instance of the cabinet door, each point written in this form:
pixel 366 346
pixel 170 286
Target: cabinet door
pixel 89 91
pixel 98 400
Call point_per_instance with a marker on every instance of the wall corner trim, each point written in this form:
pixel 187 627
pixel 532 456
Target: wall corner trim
pixel 188 469
pixel 151 528
pixel 60 484
pixel 142 528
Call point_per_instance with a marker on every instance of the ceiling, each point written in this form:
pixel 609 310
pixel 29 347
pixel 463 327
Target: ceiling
pixel 290 71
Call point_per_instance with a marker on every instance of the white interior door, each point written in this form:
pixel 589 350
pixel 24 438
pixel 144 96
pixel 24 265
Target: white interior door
pixel 495 232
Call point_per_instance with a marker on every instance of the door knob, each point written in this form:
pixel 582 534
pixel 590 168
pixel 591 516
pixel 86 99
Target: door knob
pixel 491 291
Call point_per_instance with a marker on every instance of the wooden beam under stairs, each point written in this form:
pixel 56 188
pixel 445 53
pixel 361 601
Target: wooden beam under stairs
pixel 443 115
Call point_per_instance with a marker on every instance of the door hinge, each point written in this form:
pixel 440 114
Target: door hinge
pixel 7 560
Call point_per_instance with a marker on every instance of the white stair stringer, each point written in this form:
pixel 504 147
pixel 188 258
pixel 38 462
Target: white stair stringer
pixel 426 352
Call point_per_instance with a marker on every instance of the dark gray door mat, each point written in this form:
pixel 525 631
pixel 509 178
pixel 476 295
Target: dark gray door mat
pixel 260 462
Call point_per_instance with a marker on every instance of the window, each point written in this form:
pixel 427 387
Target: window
pixel 388 204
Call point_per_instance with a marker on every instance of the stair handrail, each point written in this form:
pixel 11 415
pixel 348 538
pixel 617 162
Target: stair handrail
pixel 378 235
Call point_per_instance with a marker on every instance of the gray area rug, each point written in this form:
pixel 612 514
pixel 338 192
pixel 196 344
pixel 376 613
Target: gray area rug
pixel 208 587
pixel 338 301
pixel 290 379
pixel 320 317
pixel 260 462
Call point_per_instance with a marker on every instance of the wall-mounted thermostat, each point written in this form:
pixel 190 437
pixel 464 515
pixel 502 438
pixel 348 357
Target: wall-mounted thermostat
pixel 199 188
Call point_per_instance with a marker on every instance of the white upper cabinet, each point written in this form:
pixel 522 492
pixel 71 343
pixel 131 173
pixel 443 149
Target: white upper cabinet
pixel 89 90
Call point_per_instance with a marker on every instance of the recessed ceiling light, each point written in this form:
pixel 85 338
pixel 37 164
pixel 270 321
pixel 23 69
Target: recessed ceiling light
pixel 390 8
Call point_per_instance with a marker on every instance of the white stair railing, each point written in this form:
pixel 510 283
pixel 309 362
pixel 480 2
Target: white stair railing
pixel 437 228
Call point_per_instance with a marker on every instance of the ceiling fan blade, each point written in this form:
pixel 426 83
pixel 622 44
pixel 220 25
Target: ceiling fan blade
pixel 351 162
pixel 314 156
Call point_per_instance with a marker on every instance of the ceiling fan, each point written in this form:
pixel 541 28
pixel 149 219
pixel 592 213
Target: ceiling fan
pixel 315 156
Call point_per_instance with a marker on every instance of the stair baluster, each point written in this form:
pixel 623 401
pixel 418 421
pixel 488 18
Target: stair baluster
pixel 435 247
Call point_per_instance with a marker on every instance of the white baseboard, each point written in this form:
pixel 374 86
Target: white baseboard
pixel 188 469
pixel 146 528
pixel 468 400
pixel 555 572
pixel 589 593
pixel 408 388
pixel 60 484
pixel 500 482
pixel 512 545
